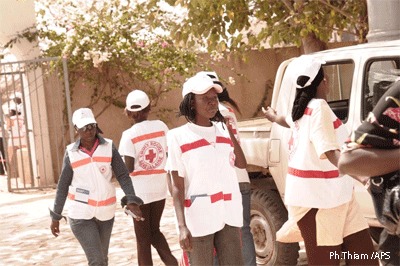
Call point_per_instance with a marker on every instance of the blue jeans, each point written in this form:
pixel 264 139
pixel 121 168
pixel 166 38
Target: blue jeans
pixel 248 249
pixel 226 242
pixel 94 237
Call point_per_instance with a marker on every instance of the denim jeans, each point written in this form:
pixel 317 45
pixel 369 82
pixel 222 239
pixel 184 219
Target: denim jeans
pixel 226 242
pixel 94 237
pixel 248 249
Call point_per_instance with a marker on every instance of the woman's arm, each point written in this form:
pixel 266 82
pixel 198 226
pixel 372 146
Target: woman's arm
pixel 369 161
pixel 272 116
pixel 130 163
pixel 64 182
pixel 178 194
pixel 240 159
pixel 61 195
pixel 333 156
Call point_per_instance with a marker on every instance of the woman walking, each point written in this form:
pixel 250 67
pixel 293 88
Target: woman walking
pixel 202 155
pixel 320 200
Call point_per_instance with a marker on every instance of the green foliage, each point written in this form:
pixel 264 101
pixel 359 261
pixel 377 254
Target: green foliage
pixel 112 47
pixel 30 34
pixel 247 24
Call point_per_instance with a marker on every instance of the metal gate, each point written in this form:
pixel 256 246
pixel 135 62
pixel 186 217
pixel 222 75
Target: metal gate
pixel 34 115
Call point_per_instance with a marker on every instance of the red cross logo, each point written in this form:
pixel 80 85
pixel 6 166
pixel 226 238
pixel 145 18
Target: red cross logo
pixel 150 156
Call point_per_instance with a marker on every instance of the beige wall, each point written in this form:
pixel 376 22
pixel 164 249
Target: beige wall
pixel 258 71
pixel 15 16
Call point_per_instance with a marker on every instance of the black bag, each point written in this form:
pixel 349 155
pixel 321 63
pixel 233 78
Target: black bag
pixel 385 192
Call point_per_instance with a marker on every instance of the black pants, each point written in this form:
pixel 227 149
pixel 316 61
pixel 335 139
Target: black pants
pixel 2 158
pixel 148 234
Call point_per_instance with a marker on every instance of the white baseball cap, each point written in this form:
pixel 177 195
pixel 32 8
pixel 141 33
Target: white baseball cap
pixel 307 66
pixel 137 100
pixel 16 95
pixel 213 76
pixel 83 117
pixel 200 84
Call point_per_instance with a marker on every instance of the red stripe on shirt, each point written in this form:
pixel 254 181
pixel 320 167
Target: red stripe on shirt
pixel 337 123
pixel 194 145
pixel 308 111
pixel 148 136
pixel 202 142
pixel 224 140
pixel 89 160
pixel 220 196
pixel 313 173
pixel 214 198
pixel 81 162
pixel 102 159
pixel 148 172
pixel 95 203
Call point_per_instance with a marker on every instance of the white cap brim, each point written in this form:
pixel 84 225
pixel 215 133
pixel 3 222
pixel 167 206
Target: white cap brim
pixel 85 121
pixel 200 84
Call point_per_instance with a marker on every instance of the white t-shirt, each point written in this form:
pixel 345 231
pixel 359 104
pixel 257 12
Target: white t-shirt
pixel 146 143
pixel 17 132
pixel 229 113
pixel 312 181
pixel 212 195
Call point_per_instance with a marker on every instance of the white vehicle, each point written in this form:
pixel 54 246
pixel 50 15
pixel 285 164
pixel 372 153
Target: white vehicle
pixel 358 76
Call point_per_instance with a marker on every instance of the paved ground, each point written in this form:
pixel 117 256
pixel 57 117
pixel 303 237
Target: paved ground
pixel 26 238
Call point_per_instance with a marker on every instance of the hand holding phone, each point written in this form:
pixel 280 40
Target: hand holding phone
pixel 128 212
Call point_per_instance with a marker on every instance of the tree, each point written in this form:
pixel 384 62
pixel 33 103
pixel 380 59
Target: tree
pixel 112 46
pixel 239 25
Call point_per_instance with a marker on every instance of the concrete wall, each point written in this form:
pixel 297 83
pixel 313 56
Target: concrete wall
pixel 257 76
pixel 383 20
pixel 15 16
pixel 257 73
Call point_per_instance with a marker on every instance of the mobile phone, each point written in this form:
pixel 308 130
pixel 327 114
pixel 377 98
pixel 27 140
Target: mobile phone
pixel 127 211
pixel 263 109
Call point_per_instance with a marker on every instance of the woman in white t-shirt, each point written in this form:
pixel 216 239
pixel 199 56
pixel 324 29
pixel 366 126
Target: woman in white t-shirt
pixel 144 148
pixel 202 155
pixel 320 200
pixel 227 107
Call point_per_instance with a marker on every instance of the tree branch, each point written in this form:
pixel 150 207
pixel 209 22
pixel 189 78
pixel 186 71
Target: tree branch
pixel 288 5
pixel 338 10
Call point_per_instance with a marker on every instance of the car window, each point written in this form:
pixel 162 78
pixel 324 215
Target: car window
pixel 381 73
pixel 340 76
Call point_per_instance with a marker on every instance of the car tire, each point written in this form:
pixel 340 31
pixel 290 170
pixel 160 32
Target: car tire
pixel 268 214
